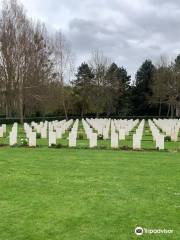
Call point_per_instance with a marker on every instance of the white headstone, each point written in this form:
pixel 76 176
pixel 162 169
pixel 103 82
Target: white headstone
pixel 72 139
pixel 4 128
pixel 160 142
pixel 114 140
pixel 44 132
pixel 136 142
pixel 1 132
pixel 58 133
pixel 52 138
pixel 122 134
pixel 12 138
pixel 32 139
pixel 93 140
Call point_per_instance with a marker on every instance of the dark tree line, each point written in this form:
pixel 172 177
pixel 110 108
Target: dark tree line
pixel 37 77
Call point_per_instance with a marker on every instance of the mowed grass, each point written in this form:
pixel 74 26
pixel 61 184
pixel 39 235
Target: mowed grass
pixel 81 194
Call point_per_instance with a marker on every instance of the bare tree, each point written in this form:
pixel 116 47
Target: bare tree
pixel 24 60
pixel 63 64
pixel 166 86
pixel 99 64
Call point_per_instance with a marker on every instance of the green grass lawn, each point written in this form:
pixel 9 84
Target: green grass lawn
pixel 81 194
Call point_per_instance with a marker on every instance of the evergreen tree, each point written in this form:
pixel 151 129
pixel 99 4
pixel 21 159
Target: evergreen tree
pixel 123 106
pixel 113 82
pixel 117 90
pixel 83 87
pixel 142 91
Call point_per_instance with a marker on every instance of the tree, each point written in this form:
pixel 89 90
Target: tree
pixel 123 105
pixel 83 84
pixel 25 63
pixel 142 91
pixel 63 64
pixel 116 83
pixel 166 86
pixel 99 65
pixel 177 71
pixel 158 86
pixel 112 76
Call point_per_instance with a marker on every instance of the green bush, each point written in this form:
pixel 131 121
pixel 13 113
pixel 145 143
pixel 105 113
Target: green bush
pixel 24 141
pixel 38 135
pixel 80 136
pixel 59 145
pixel 100 137
pixel 53 145
pixel 167 139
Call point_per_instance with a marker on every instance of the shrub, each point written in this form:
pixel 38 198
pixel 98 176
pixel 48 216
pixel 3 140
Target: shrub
pixel 126 148
pixel 53 145
pixel 80 136
pixel 59 145
pixel 167 139
pixel 38 135
pixel 100 137
pixel 24 141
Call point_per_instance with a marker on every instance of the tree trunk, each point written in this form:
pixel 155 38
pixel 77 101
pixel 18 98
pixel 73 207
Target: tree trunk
pixel 8 106
pixel 178 110
pixel 160 109
pixel 65 110
pixel 172 111
pixel 21 112
pixel 168 110
pixel 82 111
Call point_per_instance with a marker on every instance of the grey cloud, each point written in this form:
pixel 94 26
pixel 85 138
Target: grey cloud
pixel 126 31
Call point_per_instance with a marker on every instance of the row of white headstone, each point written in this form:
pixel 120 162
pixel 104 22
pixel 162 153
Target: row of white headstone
pixel 2 130
pixel 137 137
pixel 73 134
pixel 13 135
pixel 55 129
pixel 114 129
pixel 90 134
pixel 170 127
pixel 157 136
pixel 118 129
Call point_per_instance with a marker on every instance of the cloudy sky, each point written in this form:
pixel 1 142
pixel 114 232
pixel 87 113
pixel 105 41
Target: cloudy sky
pixel 127 31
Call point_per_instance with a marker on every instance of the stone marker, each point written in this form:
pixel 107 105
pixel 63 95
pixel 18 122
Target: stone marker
pixel 136 142
pixel 72 139
pixel 52 138
pixel 160 142
pixel 32 139
pixel 1 132
pixel 122 134
pixel 12 138
pixel 93 140
pixel 114 140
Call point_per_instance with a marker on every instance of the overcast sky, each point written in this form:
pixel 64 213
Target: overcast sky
pixel 127 31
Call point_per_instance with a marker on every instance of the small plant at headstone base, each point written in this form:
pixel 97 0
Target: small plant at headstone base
pixel 100 136
pixel 59 145
pixel 24 141
pixel 80 136
pixel 38 135
pixel 126 148
pixel 53 145
pixel 69 129
pixel 167 139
